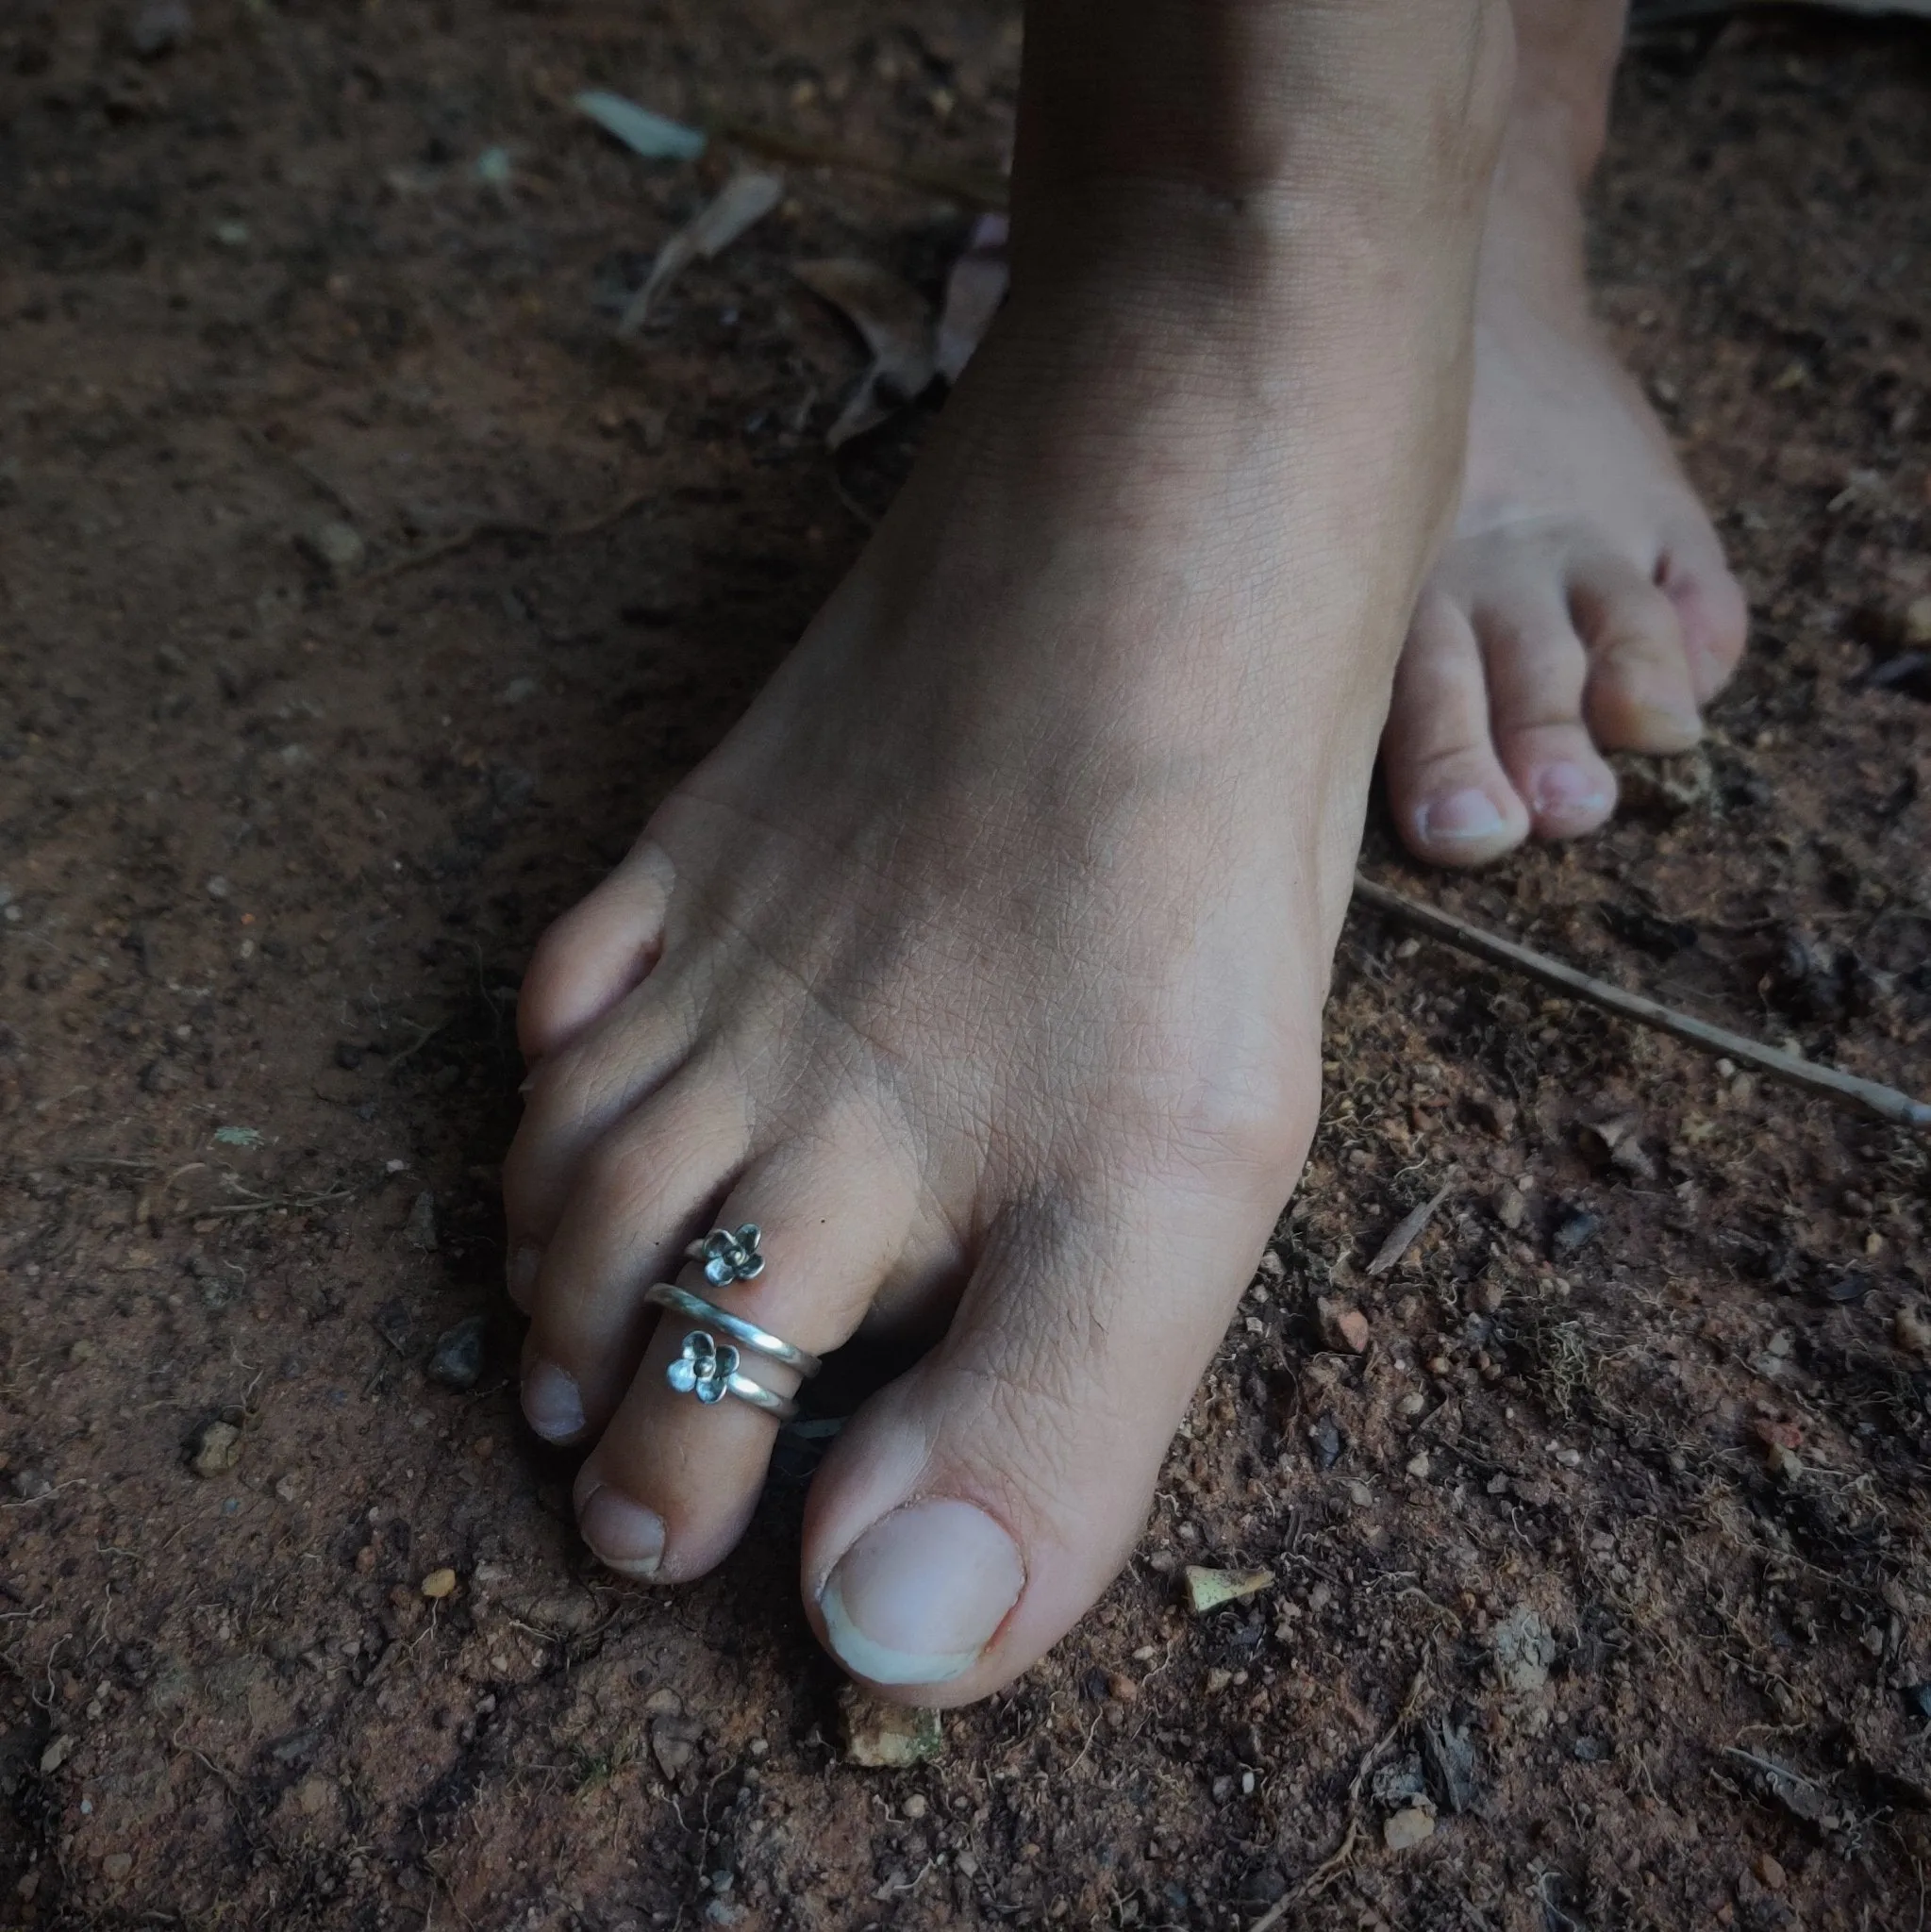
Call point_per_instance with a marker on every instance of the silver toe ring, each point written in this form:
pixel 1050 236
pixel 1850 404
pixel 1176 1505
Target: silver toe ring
pixel 708 1365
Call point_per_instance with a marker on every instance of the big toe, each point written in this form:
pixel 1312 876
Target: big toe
pixel 973 1511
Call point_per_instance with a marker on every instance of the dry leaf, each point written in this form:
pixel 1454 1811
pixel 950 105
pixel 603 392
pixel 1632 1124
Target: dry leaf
pixel 652 136
pixel 744 199
pixel 1406 1232
pixel 974 291
pixel 895 322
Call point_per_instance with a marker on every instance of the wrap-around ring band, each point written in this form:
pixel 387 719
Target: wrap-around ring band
pixel 680 1301
pixel 759 1396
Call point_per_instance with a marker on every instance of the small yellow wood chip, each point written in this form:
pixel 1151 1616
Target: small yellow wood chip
pixel 438 1583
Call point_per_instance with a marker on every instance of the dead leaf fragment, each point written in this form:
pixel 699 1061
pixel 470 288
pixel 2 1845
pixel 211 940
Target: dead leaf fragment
pixel 743 200
pixel 884 1735
pixel 1406 1829
pixel 1208 1589
pixel 974 291
pixel 1406 1231
pixel 896 324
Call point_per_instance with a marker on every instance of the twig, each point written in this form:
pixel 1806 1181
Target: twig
pixel 1863 1097
pixel 954 184
pixel 1331 1867
pixel 1406 1231
pixel 500 526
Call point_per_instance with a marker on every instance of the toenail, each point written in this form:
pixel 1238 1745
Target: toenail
pixel 521 1275
pixel 1567 787
pixel 552 1402
pixel 920 1593
pixel 622 1536
pixel 1467 814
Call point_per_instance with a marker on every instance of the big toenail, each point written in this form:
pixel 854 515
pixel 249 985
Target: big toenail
pixel 622 1536
pixel 521 1275
pixel 920 1593
pixel 1468 814
pixel 552 1402
pixel 1567 787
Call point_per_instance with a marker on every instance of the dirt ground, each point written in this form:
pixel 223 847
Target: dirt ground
pixel 1614 1541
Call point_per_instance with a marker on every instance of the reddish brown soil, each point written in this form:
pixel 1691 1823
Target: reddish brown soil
pixel 276 846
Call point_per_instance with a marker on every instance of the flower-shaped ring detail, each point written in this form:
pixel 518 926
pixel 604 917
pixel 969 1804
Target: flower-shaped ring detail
pixel 702 1370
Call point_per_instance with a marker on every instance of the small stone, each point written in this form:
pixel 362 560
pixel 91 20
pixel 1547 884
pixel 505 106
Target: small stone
pixel 1574 1232
pixel 1418 1467
pixel 1325 1439
pixel 1770 1875
pixel 1490 1293
pixel 57 1754
pixel 1785 1464
pixel 217 1449
pixel 117 1865
pixel 457 1360
pixel 1412 1404
pixel 914 1806
pixel 438 1584
pixel 674 1744
pixel 336 547
pixel 1512 1205
pixel 418 1230
pixel 159 27
pixel 1523 1649
pixel 1342 1327
pixel 1208 1589
pixel 218 887
pixel 886 1736
pixel 1912 1330
pixel 314 1795
pixel 1404 1830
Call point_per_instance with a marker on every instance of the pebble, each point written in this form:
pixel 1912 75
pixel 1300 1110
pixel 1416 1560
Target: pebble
pixel 914 1806
pixel 1575 1232
pixel 313 1794
pixel 420 1228
pixel 674 1744
pixel 217 1449
pixel 1406 1829
pixel 158 27
pixel 57 1754
pixel 336 546
pixel 886 1736
pixel 457 1360
pixel 1418 1466
pixel 1770 1875
pixel 1208 1589
pixel 438 1584
pixel 1912 1330
pixel 1523 1648
pixel 1342 1327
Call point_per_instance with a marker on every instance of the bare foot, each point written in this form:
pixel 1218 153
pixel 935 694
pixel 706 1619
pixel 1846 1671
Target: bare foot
pixel 982 965
pixel 1583 605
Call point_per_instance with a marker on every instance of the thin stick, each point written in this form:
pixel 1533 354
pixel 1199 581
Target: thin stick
pixel 952 184
pixel 1863 1097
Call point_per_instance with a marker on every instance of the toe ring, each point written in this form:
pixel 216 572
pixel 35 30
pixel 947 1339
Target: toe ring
pixel 708 1368
pixel 680 1301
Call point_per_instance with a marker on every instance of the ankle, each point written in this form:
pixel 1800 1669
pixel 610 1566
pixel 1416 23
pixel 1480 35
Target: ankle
pixel 1209 139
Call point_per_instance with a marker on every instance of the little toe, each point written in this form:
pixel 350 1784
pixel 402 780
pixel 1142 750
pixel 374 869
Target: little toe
pixel 1711 608
pixel 681 1474
pixel 595 954
pixel 973 1511
pixel 1639 697
pixel 1451 798
pixel 1538 670
pixel 641 1194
